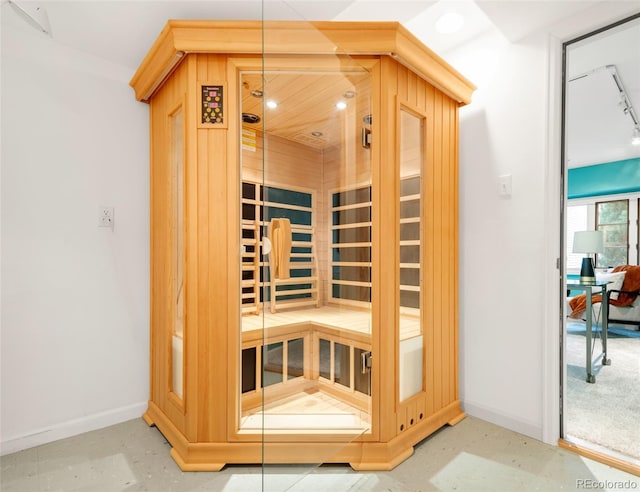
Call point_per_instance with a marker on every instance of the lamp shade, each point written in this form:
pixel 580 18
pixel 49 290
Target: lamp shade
pixel 588 242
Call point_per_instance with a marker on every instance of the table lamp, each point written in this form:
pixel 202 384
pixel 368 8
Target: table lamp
pixel 589 242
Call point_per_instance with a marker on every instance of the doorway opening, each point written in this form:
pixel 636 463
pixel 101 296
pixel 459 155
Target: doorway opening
pixel 600 393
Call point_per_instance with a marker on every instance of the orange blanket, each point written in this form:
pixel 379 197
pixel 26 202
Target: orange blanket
pixel 631 282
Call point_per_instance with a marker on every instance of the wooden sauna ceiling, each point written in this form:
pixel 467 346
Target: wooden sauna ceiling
pixel 307 104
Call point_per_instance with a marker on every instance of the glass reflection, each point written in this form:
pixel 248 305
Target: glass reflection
pixel 306 252
pixel 410 258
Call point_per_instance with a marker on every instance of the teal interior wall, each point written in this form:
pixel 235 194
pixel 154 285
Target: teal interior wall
pixel 604 179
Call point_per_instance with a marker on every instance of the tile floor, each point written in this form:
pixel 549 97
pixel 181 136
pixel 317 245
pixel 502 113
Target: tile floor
pixel 473 456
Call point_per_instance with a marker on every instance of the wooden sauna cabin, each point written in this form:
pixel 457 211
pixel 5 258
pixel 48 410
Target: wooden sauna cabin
pixel 304 241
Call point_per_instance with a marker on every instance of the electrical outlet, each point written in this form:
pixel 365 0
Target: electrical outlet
pixel 105 217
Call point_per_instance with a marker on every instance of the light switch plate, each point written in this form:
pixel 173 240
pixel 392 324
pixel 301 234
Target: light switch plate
pixel 504 185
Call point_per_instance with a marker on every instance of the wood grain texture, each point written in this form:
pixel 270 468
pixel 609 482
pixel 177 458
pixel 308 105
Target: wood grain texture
pixel 440 240
pixel 604 458
pixel 297 38
pixel 204 426
pixel 163 247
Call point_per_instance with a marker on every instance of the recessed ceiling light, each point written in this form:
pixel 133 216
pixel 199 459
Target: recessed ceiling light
pixel 449 23
pixel 341 105
pixel 257 93
pixel 317 134
pixel 349 94
pixel 272 104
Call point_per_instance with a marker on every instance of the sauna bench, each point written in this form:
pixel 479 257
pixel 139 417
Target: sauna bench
pixel 330 325
pixel 356 321
pixel 308 378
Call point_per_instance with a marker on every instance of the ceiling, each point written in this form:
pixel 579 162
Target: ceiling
pixel 306 111
pixel 597 128
pixel 122 32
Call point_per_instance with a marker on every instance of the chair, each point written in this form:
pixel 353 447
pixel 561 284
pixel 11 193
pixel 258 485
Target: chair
pixel 624 307
pixel 623 297
pixel 628 315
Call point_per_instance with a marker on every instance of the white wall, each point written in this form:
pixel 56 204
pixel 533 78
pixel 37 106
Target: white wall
pixel 75 297
pixel 501 279
pixel 509 285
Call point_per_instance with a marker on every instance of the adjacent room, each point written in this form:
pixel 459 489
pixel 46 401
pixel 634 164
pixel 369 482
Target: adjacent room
pixel 603 200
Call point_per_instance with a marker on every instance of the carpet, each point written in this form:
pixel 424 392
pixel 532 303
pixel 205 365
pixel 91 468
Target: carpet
pixel 606 413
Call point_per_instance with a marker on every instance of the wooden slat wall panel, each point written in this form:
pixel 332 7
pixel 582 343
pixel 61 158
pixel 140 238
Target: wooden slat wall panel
pixel 436 238
pixel 285 162
pixel 332 161
pixel 162 253
pixel 446 241
pixel 191 245
pixel 157 239
pixel 230 400
pixel 384 246
pixel 292 166
pixel 345 167
pixel 212 259
pixel 430 260
pixel 339 173
pixel 441 241
pixel 204 285
pixel 450 220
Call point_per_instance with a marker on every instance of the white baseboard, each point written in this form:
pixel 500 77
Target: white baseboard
pixel 72 428
pixel 508 422
pixel 112 417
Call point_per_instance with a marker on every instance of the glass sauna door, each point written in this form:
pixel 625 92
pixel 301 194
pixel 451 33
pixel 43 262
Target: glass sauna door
pixel 306 320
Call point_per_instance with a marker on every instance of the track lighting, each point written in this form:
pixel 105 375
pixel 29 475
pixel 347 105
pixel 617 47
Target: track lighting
pixel 625 104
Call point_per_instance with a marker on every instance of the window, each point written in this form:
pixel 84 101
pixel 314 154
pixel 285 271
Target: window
pixel 612 218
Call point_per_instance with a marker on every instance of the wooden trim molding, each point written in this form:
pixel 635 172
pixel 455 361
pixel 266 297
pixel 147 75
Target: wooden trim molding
pixel 606 459
pixel 295 37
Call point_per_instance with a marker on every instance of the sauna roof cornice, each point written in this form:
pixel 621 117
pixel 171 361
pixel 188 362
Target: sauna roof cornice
pixel 179 38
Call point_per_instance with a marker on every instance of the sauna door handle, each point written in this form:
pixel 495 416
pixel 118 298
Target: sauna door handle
pixel 365 362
